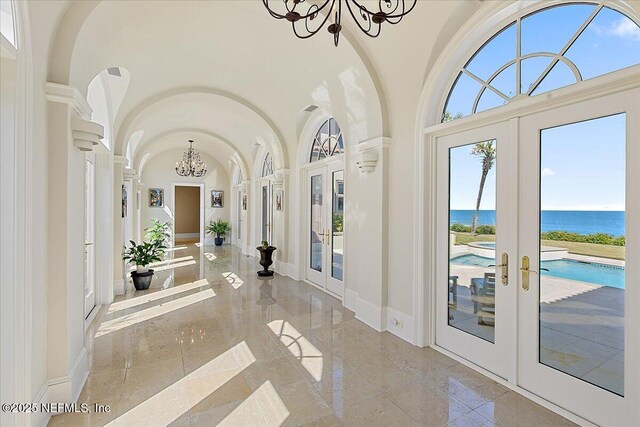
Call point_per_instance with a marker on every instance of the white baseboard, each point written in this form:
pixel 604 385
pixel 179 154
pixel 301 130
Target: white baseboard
pixel 119 287
pixel 400 324
pixel 187 236
pixel 371 314
pixel 65 389
pixel 282 268
pixel 350 300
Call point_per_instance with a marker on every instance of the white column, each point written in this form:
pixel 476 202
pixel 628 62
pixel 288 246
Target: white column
pixel 104 225
pixel 70 134
pixel 366 232
pixel 279 231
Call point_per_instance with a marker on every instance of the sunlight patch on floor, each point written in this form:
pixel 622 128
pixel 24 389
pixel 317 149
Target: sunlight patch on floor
pixel 210 256
pixel 262 407
pixel 176 265
pixel 175 248
pixel 134 302
pixel 300 347
pixel 233 279
pixel 150 313
pixel 165 407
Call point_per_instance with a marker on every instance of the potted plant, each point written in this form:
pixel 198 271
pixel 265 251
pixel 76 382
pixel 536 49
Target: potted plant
pixel 266 258
pixel 220 228
pixel 141 256
pixel 158 232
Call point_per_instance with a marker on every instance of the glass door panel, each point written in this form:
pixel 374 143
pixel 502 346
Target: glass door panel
pixel 582 250
pixel 476 231
pixel 89 233
pixel 266 212
pixel 337 224
pixel 316 230
pixel 579 222
pixel 472 252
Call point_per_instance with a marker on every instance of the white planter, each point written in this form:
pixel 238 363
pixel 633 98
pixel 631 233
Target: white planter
pixel 142 268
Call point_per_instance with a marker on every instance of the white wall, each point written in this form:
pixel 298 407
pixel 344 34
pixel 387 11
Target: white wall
pixel 159 172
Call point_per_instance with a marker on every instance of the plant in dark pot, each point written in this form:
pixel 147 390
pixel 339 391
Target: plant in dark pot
pixel 158 232
pixel 141 256
pixel 220 228
pixel 266 258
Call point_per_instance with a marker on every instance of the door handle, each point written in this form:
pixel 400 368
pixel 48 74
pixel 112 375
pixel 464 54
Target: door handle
pixel 88 243
pixel 328 237
pixel 525 272
pixel 505 268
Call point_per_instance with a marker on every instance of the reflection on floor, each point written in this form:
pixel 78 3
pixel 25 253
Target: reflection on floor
pixel 271 352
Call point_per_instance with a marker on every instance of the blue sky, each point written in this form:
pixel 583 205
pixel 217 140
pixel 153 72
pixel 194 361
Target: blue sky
pixel 583 163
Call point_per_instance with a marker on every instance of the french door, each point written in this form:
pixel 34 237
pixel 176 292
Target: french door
pixel 476 282
pixel 89 236
pixel 266 210
pixel 325 233
pixel 534 285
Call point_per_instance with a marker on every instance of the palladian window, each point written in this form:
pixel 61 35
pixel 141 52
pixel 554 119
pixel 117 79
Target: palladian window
pixel 545 50
pixel 327 142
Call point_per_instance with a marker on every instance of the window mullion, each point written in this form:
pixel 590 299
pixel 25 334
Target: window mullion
pixel 485 84
pixel 564 50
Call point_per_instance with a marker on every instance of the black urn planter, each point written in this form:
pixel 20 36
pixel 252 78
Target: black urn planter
pixel 142 281
pixel 266 259
pixel 218 241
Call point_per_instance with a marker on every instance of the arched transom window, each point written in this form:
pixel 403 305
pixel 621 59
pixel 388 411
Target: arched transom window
pixel 327 142
pixel 542 51
pixel 267 165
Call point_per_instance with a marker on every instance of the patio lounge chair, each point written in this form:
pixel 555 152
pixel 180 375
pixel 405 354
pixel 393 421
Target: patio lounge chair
pixel 483 295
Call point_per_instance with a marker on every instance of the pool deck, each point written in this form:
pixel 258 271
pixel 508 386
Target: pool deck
pixel 581 324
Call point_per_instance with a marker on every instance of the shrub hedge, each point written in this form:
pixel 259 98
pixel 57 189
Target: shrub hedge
pixel 564 236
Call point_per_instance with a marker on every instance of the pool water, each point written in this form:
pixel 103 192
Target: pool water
pixel 598 274
pixel 490 245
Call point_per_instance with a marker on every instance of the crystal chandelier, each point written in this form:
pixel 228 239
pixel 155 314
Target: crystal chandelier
pixel 191 165
pixel 308 18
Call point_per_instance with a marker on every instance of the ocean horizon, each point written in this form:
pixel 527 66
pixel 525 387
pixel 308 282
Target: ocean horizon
pixel 581 222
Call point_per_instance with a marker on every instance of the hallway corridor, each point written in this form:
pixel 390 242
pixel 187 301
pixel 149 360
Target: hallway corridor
pixel 211 344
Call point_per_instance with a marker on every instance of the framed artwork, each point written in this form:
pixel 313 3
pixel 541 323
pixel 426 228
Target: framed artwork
pixel 244 202
pixel 217 198
pixel 156 197
pixel 124 201
pixel 279 199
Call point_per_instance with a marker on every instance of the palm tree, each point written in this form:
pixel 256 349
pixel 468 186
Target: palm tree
pixel 487 153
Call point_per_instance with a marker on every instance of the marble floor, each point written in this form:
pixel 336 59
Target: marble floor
pixel 211 344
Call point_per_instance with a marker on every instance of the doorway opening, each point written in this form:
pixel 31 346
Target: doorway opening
pixel 188 215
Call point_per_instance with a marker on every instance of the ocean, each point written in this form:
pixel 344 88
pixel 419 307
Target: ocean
pixel 581 222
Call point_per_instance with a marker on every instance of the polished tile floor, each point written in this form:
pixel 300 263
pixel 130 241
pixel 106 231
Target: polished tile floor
pixel 211 344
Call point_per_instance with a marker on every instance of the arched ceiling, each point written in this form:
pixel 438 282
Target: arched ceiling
pixel 232 47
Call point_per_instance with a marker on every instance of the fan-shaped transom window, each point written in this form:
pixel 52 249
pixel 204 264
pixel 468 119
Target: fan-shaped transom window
pixel 327 142
pixel 545 50
pixel 267 165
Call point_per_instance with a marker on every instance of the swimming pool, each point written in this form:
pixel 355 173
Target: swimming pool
pixel 598 274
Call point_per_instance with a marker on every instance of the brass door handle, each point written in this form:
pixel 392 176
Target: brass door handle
pixel 505 269
pixel 525 272
pixel 328 237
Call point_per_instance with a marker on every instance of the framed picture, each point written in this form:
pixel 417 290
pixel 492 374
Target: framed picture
pixel 156 198
pixel 217 198
pixel 244 202
pixel 279 199
pixel 124 201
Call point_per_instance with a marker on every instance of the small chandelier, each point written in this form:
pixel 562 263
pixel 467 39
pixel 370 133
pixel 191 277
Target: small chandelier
pixel 191 165
pixel 306 19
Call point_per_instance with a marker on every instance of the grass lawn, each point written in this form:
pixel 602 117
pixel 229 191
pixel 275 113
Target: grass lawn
pixel 591 249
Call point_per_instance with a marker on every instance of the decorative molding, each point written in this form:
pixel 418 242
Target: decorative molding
pixel 367 160
pixel 119 159
pixel 86 134
pixel 69 95
pixel 368 153
pixel 383 142
pixel 129 174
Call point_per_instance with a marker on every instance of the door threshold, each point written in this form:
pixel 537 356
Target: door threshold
pixel 325 290
pixel 92 315
pixel 517 389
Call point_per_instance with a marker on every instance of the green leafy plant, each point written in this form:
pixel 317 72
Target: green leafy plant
pixel 265 244
pixel 338 223
pixel 219 227
pixel 597 238
pixel 158 232
pixel 460 228
pixel 143 254
pixel 486 229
